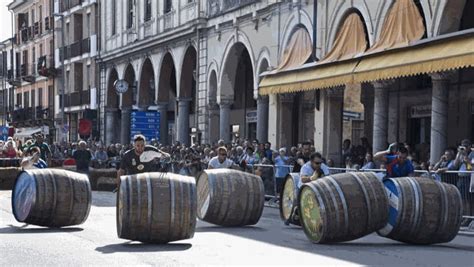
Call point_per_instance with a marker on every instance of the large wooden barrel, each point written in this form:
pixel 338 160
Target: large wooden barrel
pixel 289 198
pixel 156 207
pixel 230 198
pixel 343 207
pixel 50 197
pixel 422 211
pixel 8 176
pixel 9 162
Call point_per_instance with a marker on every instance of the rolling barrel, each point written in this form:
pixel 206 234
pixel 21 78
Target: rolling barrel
pixel 343 207
pixel 230 198
pixel 422 211
pixel 51 197
pixel 289 198
pixel 156 207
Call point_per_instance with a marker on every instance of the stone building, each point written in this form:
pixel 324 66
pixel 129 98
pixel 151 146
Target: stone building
pixel 7 93
pixel 33 71
pixel 80 21
pixel 268 70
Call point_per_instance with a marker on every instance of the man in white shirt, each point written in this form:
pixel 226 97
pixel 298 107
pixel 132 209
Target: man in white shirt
pixel 220 161
pixel 313 169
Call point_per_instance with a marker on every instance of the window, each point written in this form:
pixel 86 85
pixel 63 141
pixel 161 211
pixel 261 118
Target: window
pixel 26 100
pixel 41 50
pixel 33 99
pixel 40 97
pixel 40 13
pixel 88 77
pixel 33 59
pixel 168 5
pixel 88 25
pixel 66 37
pixel 114 17
pixel 131 13
pixel 18 100
pixel 33 17
pixel 147 10
pixel 66 84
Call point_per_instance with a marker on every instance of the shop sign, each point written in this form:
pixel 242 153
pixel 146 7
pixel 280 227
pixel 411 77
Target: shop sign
pixel 251 116
pixel 421 111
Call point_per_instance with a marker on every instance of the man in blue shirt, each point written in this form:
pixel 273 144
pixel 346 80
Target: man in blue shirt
pixel 398 164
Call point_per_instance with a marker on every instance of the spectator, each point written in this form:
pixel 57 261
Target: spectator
pixel 446 162
pixel 10 150
pixel 304 157
pixel 368 162
pixel 44 148
pixel 282 169
pixel 32 160
pixel 313 169
pixel 101 157
pixel 83 157
pixel 347 150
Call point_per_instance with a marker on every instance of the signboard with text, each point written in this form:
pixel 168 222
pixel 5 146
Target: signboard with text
pixel 146 123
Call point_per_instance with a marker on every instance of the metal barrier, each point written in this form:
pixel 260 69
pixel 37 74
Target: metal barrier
pixel 272 177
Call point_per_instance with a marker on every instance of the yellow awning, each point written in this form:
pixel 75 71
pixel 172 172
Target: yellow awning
pixel 435 56
pixel 309 77
pixel 443 53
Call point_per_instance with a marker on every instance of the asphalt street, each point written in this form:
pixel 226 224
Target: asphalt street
pixel 270 242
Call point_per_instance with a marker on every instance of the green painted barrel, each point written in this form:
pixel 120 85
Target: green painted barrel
pixel 343 207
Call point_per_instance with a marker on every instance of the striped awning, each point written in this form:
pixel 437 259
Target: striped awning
pixel 443 53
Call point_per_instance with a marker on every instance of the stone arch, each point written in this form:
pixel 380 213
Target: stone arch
pixel 188 68
pixel 301 19
pixel 340 22
pixel 129 97
pixel 113 99
pixel 167 80
pixel 450 15
pixel 212 88
pixel 146 93
pixel 235 40
pixel 263 56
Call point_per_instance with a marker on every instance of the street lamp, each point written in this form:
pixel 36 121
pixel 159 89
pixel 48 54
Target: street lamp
pixel 63 79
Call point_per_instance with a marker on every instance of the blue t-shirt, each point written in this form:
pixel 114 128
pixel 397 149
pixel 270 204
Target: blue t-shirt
pixel 396 169
pixel 41 164
pixel 280 170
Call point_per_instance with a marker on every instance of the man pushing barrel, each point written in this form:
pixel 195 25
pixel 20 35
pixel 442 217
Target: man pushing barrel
pixel 140 158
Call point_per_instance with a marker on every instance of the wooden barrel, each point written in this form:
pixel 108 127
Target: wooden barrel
pixel 50 197
pixel 8 176
pixel 343 207
pixel 289 198
pixel 230 198
pixel 95 175
pixel 422 211
pixel 9 162
pixel 156 207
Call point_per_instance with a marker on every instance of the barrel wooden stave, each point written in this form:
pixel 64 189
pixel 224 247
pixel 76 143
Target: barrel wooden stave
pixel 63 198
pixel 428 211
pixel 289 197
pixel 156 207
pixel 232 198
pixel 346 207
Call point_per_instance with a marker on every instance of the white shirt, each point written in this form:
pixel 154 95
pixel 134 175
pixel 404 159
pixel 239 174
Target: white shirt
pixel 307 170
pixel 215 164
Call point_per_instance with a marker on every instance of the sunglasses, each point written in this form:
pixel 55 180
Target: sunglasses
pixel 223 154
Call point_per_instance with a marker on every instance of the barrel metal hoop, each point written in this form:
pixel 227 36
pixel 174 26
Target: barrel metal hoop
pixel 322 209
pixel 139 202
pixel 172 206
pixel 149 202
pixel 245 218
pixel 129 202
pixel 333 197
pixel 53 182
pixel 229 189
pixel 295 189
pixel 193 211
pixel 344 204
pixel 211 181
pixel 418 205
pixel 89 199
pixel 444 207
pixel 366 196
pixel 401 202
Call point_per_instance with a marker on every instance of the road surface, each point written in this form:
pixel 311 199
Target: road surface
pixel 268 243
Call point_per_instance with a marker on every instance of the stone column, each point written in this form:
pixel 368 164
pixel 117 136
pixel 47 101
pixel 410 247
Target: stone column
pixel 162 108
pixel 183 121
pixel 285 120
pixel 439 114
pixel 224 123
pixel 125 126
pixel 111 125
pixel 333 108
pixel 213 122
pixel 262 118
pixel 367 99
pixel 381 90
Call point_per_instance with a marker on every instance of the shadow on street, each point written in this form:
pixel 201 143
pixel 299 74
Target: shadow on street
pixel 142 247
pixel 11 229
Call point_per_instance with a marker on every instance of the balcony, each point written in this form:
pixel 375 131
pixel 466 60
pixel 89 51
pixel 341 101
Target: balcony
pixel 76 49
pixel 48 23
pixel 45 67
pixel 86 45
pixel 28 73
pixel 66 5
pixel 78 98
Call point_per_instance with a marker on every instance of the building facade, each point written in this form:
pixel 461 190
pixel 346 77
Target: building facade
pixel 200 64
pixel 32 75
pixel 78 22
pixel 7 94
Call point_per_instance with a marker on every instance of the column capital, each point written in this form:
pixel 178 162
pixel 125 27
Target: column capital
pixel 383 84
pixel 335 92
pixel 212 105
pixel 223 103
pixel 184 99
pixel 442 76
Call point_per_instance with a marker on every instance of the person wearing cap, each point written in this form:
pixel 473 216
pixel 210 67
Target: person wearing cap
pixel 44 148
pixel 83 157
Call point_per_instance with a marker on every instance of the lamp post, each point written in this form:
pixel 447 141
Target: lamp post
pixel 63 78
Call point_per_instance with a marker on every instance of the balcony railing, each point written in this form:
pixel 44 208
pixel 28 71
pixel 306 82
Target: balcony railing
pixel 76 49
pixel 86 45
pixel 216 7
pixel 66 5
